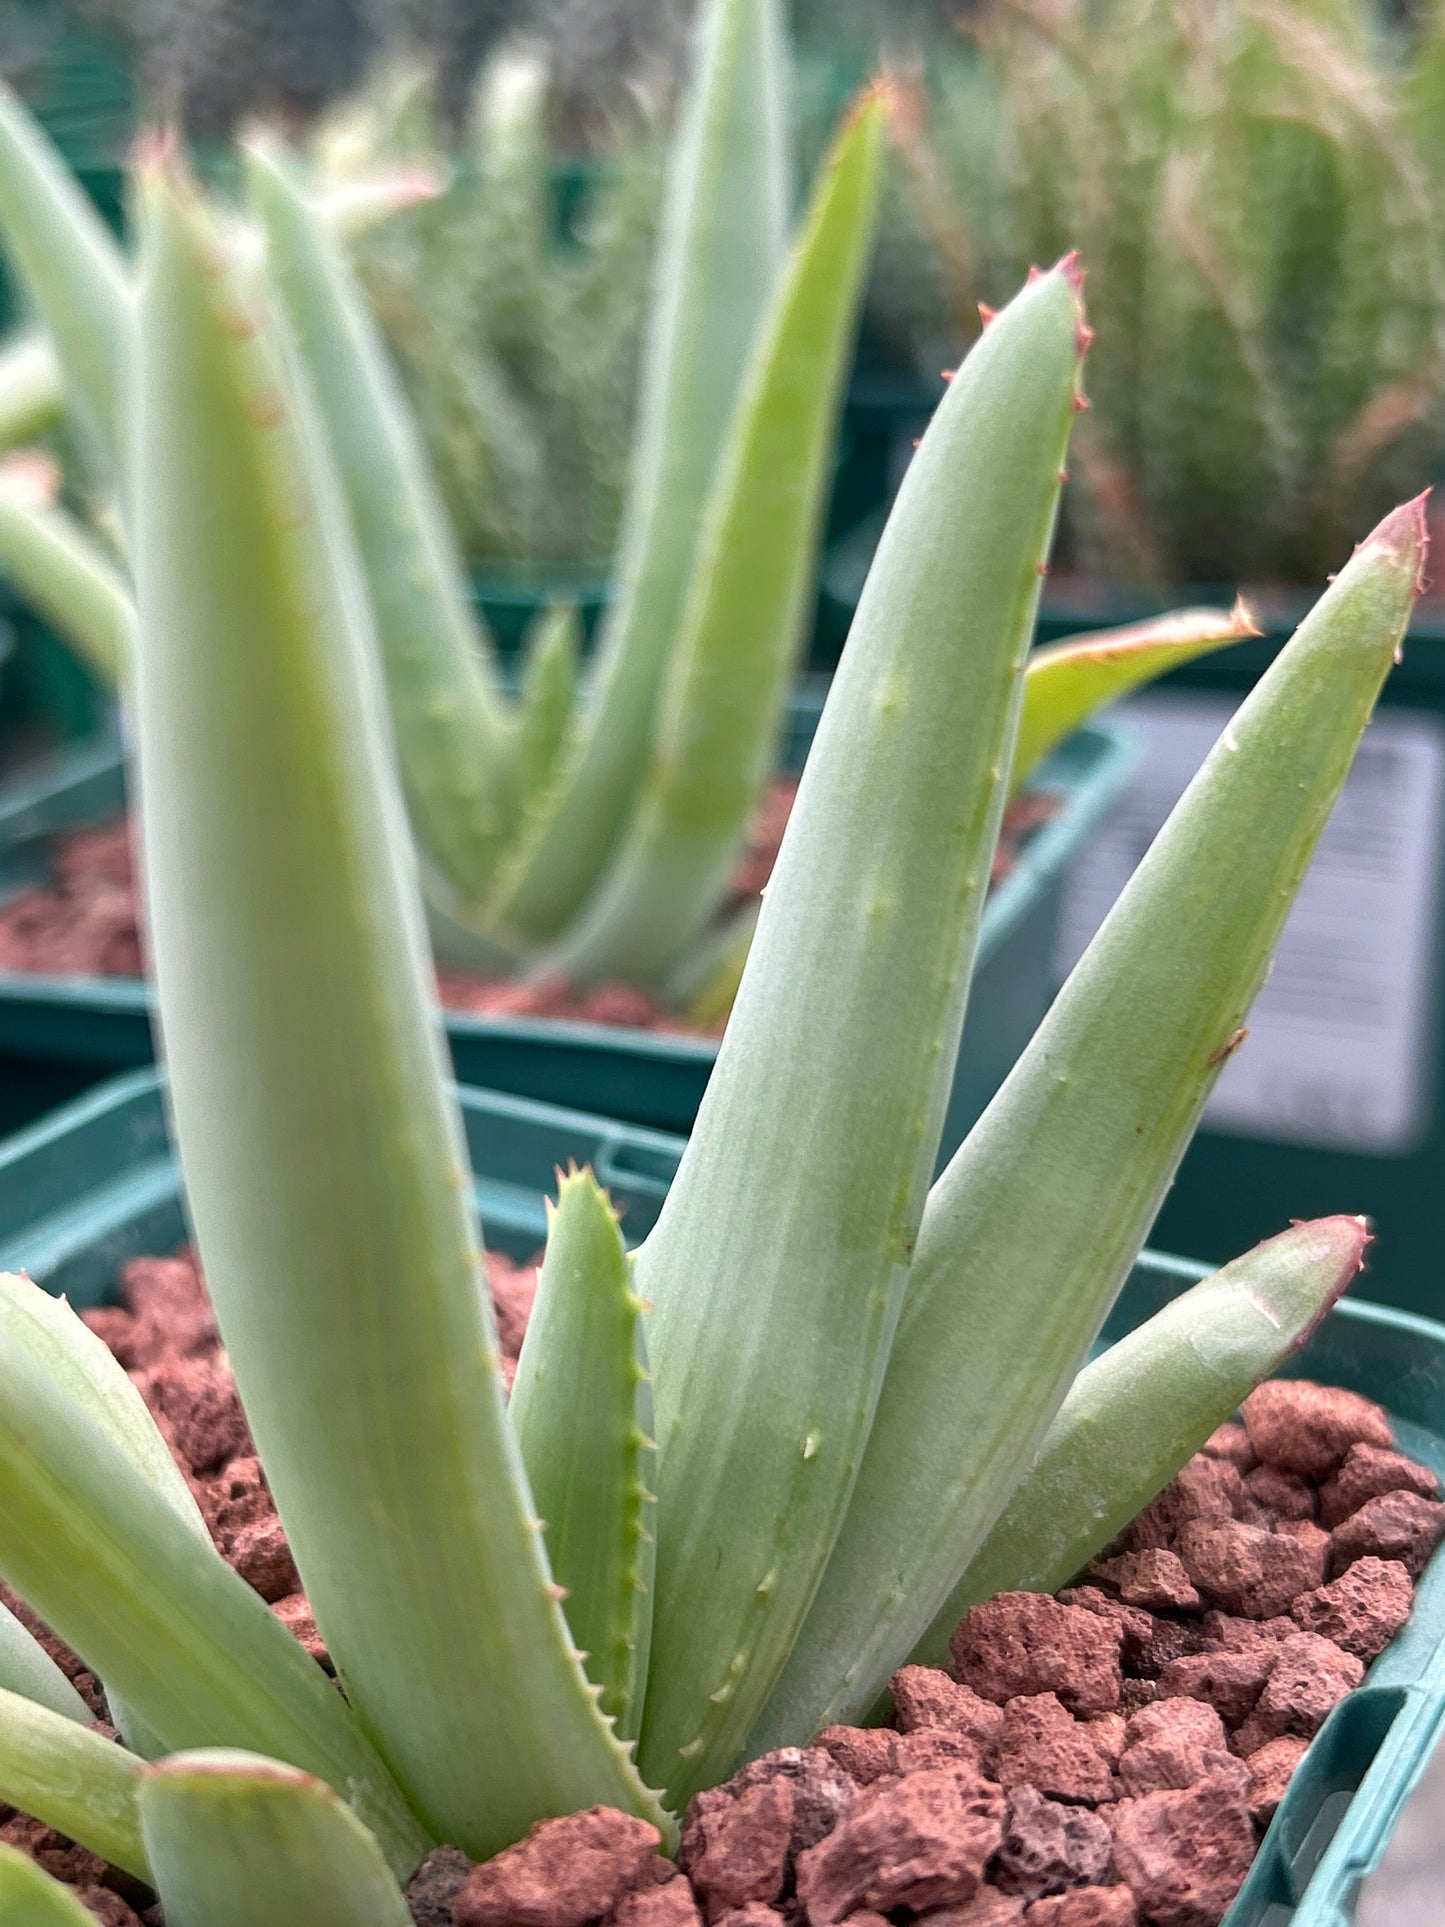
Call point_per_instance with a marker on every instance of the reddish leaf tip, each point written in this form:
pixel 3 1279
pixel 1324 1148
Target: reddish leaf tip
pixel 1404 536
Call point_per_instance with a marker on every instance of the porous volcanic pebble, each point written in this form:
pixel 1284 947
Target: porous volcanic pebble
pixel 918 1843
pixel 260 1554
pixel 1184 1855
pixel 1136 1628
pixel 1023 1642
pixel 864 1753
pixel 1285 1494
pixel 195 1402
pixel 1309 1675
pixel 1228 1681
pixel 108 1908
pixel 736 1850
pixel 435 1885
pixel 1154 1580
pixel 1248 1570
pixel 925 1697
pixel 565 1872
pixel 670 1905
pixel 1173 1744
pixel 1368 1472
pixel 1270 1770
pixel 822 1792
pixel 1307 1428
pixel 1041 1744
pixel 934 1746
pixel 1362 1610
pixel 988 1908
pixel 1205 1488
pixel 1231 1441
pixel 1091 1907
pixel 1397 1525
pixel 1048 1847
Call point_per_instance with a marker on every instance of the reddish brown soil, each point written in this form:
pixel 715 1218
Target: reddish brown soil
pixel 1106 1758
pixel 84 922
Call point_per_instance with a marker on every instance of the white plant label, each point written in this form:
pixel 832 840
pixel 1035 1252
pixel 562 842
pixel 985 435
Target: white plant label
pixel 1341 1038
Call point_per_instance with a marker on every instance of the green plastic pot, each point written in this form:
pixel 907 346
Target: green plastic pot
pixel 99 1025
pixel 96 1183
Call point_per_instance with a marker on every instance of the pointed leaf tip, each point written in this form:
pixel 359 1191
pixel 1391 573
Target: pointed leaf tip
pixel 154 151
pixel 1404 535
pixel 881 95
pixel 1340 1241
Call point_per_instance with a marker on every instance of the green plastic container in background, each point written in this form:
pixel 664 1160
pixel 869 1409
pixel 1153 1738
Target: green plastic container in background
pixel 96 1184
pixel 97 1025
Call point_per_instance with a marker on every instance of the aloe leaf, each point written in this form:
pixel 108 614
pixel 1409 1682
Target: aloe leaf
pixel 32 389
pixel 722 244
pixel 1143 1408
pixel 322 1150
pixel 71 262
pixel 552 652
pixel 74 1780
pixel 1009 1287
pixel 65 574
pixel 705 984
pixel 27 1669
pixel 107 1560
pixel 352 209
pixel 234 1839
pixel 582 1411
pixel 1070 680
pixel 718 727
pixel 80 1362
pixel 77 1360
pixel 452 739
pixel 83 1366
pixel 850 1010
pixel 30 1898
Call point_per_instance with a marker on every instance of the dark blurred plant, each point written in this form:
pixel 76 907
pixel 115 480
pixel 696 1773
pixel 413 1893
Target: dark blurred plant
pixel 1258 189
pixel 516 324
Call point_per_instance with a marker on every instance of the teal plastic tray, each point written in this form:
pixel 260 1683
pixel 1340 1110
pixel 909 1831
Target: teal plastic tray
pixel 102 1025
pixel 95 1184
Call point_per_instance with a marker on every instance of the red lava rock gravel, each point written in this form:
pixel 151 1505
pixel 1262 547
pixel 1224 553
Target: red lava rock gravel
pixel 1107 1758
pixel 84 922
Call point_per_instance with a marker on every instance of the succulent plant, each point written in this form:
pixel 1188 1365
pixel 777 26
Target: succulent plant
pixel 1258 190
pixel 590 826
pixel 518 342
pixel 772 1445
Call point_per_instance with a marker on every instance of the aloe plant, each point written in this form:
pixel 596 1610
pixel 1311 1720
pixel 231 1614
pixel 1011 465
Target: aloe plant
pixel 518 341
pixel 1257 188
pixel 588 825
pixel 827 1400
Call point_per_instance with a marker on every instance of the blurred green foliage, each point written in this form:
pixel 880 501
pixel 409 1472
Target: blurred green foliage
pixel 513 302
pixel 1257 189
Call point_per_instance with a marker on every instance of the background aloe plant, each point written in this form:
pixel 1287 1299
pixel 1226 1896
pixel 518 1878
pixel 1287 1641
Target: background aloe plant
pixel 589 827
pixel 515 325
pixel 1258 190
